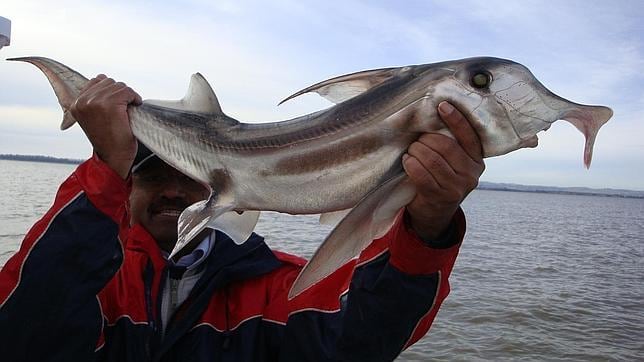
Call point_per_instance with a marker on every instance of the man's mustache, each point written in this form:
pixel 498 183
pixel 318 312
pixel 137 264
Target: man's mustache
pixel 169 204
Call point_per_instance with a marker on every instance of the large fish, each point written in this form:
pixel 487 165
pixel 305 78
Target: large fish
pixel 346 157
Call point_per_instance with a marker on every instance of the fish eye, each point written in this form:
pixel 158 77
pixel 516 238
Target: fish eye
pixel 481 79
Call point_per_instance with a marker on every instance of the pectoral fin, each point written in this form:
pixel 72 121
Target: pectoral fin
pixel 237 226
pixel 333 218
pixel 370 219
pixel 209 214
pixel 194 219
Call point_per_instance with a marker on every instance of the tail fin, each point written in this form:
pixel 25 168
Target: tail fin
pixel 67 83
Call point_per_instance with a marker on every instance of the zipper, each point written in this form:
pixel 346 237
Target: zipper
pixel 148 278
pixel 174 294
pixel 225 345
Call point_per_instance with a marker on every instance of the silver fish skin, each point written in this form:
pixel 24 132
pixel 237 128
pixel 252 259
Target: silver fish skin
pixel 342 161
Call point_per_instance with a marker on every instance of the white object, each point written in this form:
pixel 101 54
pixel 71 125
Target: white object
pixel 5 31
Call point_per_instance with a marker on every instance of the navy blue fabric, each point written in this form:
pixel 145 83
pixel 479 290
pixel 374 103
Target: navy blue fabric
pixel 376 290
pixel 53 312
pixel 53 315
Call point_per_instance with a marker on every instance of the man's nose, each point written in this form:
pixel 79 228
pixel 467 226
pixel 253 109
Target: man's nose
pixel 173 187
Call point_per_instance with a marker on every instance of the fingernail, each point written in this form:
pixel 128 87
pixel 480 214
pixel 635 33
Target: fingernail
pixel 404 157
pixel 445 107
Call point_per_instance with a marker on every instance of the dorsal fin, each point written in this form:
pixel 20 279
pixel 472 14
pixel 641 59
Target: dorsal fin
pixel 199 98
pixel 344 87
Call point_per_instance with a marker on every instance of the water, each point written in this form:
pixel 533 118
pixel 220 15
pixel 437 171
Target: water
pixel 539 276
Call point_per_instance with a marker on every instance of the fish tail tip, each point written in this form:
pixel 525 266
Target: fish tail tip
pixel 18 59
pixel 21 59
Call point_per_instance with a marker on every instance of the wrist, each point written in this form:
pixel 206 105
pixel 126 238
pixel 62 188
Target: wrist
pixel 429 226
pixel 120 164
pixel 445 239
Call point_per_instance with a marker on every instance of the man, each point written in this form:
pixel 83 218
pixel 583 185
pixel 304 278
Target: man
pixel 87 286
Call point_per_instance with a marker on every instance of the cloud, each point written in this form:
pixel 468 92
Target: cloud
pixel 256 53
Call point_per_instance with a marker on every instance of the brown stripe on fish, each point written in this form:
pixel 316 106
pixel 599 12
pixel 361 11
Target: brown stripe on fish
pixel 327 157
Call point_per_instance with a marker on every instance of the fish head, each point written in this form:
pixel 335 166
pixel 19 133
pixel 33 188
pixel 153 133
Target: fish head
pixel 508 106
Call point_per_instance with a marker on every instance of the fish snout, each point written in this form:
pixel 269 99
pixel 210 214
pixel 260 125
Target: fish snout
pixel 533 108
pixel 587 119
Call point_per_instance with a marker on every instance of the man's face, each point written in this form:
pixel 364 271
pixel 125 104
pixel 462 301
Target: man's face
pixel 159 194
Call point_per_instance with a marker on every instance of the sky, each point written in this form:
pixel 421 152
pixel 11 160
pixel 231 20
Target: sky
pixel 255 53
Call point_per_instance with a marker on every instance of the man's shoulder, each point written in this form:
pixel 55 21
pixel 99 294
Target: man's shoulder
pixel 289 259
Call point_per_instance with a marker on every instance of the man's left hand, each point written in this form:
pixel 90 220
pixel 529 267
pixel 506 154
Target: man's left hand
pixel 444 170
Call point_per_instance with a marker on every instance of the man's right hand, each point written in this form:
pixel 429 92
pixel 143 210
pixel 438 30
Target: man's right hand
pixel 101 111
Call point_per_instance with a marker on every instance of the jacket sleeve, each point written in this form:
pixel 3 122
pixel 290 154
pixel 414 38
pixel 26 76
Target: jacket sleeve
pixel 49 309
pixel 394 292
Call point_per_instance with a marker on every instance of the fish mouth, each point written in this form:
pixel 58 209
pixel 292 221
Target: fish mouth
pixel 530 142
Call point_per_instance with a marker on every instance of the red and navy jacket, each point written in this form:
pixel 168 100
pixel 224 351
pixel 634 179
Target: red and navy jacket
pixel 84 286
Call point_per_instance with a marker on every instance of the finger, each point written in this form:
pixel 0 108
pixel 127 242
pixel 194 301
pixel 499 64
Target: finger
pixel 418 174
pixel 426 155
pixel 433 164
pixel 100 88
pixel 87 92
pixel 137 98
pixel 450 150
pixel 126 94
pixel 92 82
pixel 462 130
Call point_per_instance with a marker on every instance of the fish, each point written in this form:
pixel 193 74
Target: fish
pixel 343 162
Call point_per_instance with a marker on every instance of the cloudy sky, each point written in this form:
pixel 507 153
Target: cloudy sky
pixel 255 53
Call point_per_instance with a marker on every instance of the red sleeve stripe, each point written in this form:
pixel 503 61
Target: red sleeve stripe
pixel 101 338
pixel 274 321
pixel 206 324
pixel 117 319
pixel 282 323
pixel 327 311
pixel 229 329
pixel 372 258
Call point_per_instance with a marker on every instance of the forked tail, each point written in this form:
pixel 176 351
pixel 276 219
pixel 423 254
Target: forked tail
pixel 67 83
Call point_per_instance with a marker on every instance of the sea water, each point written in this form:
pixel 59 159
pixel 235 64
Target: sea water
pixel 543 277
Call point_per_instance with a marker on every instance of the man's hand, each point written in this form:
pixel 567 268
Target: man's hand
pixel 101 111
pixel 444 170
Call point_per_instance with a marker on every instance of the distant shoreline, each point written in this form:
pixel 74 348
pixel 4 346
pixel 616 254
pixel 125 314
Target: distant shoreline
pixel 581 191
pixel 629 194
pixel 38 158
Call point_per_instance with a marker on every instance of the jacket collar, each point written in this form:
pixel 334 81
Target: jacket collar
pixel 226 264
pixel 252 258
